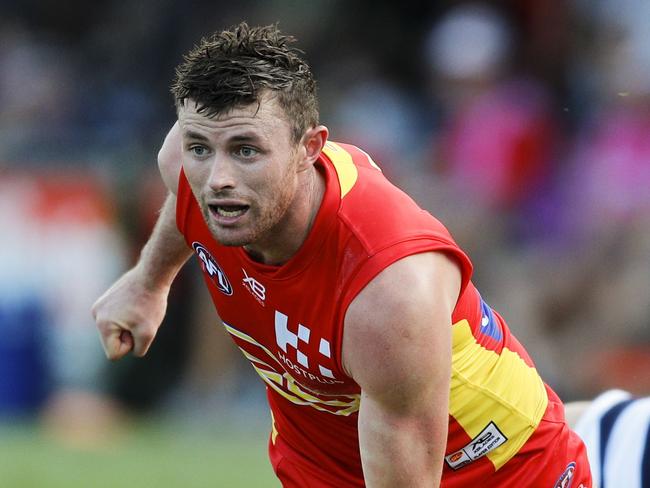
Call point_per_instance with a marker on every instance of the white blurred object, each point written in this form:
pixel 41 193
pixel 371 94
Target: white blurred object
pixel 379 117
pixel 471 41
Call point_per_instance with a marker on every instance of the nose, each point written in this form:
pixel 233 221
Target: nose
pixel 223 174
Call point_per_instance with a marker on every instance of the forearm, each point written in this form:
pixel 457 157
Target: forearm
pixel 165 252
pixel 400 450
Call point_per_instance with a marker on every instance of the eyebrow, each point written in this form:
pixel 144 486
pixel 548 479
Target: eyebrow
pixel 245 137
pixel 190 134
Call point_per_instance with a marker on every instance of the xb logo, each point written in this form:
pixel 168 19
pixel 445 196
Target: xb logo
pixel 257 289
pixel 212 268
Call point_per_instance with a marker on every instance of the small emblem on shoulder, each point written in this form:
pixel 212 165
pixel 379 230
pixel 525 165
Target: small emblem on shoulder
pixel 564 481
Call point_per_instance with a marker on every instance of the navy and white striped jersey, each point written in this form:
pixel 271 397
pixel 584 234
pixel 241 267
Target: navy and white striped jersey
pixel 616 430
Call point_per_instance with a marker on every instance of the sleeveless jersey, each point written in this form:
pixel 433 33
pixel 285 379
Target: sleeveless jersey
pixel 288 322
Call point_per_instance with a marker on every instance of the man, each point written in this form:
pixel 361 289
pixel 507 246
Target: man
pixel 383 365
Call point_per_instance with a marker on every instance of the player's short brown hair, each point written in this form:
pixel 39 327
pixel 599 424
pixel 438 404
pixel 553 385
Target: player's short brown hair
pixel 235 67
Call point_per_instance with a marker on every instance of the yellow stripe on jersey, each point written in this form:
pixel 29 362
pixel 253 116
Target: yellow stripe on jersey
pixel 300 396
pixel 490 387
pixel 345 168
pixel 274 429
pixel 250 340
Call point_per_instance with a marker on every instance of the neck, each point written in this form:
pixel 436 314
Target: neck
pixel 285 239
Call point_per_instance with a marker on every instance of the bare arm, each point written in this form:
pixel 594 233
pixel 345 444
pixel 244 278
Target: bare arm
pixel 397 347
pixel 165 252
pixel 130 312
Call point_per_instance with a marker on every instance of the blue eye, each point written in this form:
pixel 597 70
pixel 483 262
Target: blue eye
pixel 199 151
pixel 247 151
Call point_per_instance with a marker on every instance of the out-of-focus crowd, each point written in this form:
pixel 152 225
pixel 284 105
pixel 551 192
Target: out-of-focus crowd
pixel 523 125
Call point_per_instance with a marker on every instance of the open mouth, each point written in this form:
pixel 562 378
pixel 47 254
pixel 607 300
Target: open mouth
pixel 229 211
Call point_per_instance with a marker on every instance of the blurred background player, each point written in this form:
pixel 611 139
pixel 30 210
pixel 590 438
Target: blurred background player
pixel 616 429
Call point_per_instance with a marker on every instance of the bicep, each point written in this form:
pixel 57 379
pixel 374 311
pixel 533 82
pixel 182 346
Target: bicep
pixel 397 347
pixel 170 158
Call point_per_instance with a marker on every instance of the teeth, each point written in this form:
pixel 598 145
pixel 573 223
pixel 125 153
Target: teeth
pixel 230 213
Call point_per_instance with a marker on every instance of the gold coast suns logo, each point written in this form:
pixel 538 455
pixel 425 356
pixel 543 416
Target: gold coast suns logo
pixel 212 268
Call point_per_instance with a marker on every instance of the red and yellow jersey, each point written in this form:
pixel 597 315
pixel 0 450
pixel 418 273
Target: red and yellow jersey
pixel 288 322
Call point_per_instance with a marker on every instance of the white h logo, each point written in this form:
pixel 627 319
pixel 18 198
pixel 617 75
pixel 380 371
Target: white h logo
pixel 284 336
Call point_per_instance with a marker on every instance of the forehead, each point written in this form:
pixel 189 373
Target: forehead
pixel 267 118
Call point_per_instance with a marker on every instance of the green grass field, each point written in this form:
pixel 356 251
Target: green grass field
pixel 146 455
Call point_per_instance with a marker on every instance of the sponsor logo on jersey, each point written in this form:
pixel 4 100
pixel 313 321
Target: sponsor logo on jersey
pixel 284 337
pixel 273 370
pixel 257 289
pixel 212 268
pixel 487 440
pixel 565 479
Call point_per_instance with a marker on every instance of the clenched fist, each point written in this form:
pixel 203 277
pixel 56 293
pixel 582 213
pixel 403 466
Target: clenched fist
pixel 129 314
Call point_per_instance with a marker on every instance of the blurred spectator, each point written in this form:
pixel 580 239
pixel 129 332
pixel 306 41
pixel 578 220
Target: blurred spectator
pixel 608 178
pixel 60 251
pixel 35 95
pixel 494 154
pixel 498 137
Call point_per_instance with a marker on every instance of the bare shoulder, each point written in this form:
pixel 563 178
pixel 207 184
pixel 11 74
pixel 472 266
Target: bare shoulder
pixel 170 158
pixel 399 326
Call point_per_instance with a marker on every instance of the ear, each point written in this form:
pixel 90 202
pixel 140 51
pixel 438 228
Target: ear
pixel 312 143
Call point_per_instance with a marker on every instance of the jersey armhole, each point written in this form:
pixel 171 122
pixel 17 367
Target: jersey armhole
pixel 384 258
pixel 184 194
